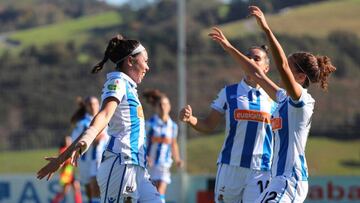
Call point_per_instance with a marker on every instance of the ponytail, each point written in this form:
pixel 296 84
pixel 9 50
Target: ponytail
pixel 118 48
pixel 325 69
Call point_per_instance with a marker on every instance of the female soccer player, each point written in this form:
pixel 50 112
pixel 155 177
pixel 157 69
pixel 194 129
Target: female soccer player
pixel 162 144
pixel 245 159
pixel 89 161
pixel 122 175
pixel 292 119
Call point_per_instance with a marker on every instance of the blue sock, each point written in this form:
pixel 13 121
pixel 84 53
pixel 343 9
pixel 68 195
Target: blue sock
pixel 162 197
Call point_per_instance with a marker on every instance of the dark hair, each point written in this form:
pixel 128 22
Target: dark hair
pixel 81 111
pixel 263 48
pixel 317 68
pixel 153 96
pixel 117 50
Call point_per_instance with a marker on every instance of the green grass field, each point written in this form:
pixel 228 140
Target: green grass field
pixel 77 30
pixel 316 20
pixel 324 156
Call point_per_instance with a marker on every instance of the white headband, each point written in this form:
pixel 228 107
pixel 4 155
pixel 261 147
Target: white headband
pixel 137 50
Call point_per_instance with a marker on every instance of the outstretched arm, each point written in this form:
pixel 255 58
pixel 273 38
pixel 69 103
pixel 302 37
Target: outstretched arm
pixel 204 125
pixel 293 89
pixel 247 65
pixel 82 143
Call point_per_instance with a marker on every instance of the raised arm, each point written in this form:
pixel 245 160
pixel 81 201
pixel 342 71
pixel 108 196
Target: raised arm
pixel 81 144
pixel 293 89
pixel 246 64
pixel 205 125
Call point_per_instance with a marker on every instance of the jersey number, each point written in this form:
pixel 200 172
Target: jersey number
pixel 268 197
pixel 262 186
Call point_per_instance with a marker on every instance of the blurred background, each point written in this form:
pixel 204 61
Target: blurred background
pixel 48 47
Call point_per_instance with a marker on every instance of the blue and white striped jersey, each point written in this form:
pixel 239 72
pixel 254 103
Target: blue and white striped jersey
pixel 160 136
pixel 127 126
pixel 248 141
pixel 291 124
pixel 83 124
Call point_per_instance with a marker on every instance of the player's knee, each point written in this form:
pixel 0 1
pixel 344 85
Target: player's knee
pixel 128 200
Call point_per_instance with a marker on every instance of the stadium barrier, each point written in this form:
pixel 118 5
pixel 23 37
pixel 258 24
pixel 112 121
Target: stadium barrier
pixel 25 188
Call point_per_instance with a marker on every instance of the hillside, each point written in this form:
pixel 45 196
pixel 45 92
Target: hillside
pixel 316 20
pixel 77 30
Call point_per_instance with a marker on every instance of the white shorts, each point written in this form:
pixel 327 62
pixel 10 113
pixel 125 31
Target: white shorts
pixel 284 189
pixel 87 170
pixel 160 173
pixel 237 184
pixel 121 182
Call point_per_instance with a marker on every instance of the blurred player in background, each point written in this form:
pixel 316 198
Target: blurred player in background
pixel 67 177
pixel 292 119
pixel 122 176
pixel 90 161
pixel 245 159
pixel 162 144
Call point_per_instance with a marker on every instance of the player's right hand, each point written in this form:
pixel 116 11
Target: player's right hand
pixel 259 15
pixel 50 168
pixel 185 114
pixel 75 155
pixel 217 35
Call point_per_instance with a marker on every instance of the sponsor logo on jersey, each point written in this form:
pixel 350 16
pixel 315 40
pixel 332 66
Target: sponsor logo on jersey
pixel 164 140
pixel 251 115
pixel 129 189
pixel 140 112
pixel 276 123
pixel 112 87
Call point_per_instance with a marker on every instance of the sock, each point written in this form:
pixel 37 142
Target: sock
pixel 78 198
pixel 162 197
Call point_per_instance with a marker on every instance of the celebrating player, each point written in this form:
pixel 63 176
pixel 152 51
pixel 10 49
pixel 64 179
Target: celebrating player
pixel 245 159
pixel 292 119
pixel 122 175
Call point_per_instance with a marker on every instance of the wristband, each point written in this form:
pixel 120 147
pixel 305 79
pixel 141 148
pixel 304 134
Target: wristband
pixel 87 138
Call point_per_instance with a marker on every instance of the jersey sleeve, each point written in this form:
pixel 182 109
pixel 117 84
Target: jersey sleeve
pixel 281 95
pixel 304 97
pixel 114 88
pixel 219 104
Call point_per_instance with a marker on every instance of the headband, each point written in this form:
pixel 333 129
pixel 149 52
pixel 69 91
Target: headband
pixel 137 50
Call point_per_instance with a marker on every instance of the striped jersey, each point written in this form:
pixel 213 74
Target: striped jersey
pixel 160 136
pixel 83 124
pixel 248 141
pixel 127 126
pixel 291 124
